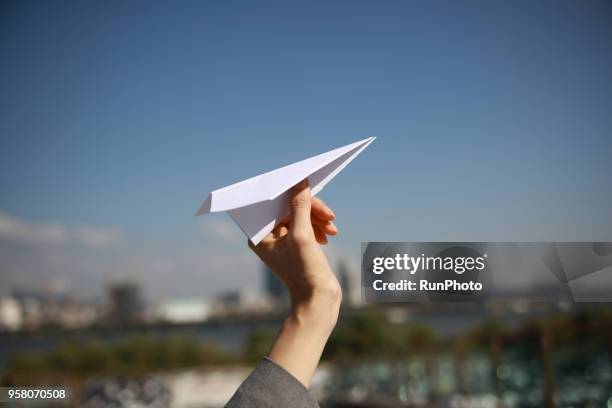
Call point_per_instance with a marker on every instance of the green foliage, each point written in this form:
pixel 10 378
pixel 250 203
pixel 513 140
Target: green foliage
pixel 258 345
pixel 421 339
pixel 137 355
pixel 481 336
pixel 361 336
pixel 371 335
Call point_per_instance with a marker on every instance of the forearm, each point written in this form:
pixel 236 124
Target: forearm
pixel 300 342
pixel 292 250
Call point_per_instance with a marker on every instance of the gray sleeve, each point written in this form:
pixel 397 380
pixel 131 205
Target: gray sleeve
pixel 270 386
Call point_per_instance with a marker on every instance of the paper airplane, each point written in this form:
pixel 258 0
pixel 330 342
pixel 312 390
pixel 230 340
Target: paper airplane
pixel 259 203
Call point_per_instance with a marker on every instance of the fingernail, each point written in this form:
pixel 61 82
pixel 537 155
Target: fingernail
pixel 333 226
pixel 330 212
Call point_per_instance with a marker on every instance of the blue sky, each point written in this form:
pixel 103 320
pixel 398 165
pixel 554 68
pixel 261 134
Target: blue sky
pixel 493 123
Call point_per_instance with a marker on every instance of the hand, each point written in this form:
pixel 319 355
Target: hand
pixel 292 251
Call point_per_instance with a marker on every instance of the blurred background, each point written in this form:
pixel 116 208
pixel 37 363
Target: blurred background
pixel 117 118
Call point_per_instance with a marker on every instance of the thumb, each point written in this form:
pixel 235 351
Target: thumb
pixel 299 205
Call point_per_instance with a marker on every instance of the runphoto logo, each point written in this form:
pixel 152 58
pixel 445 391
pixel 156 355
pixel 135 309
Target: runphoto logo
pixel 482 271
pixel 412 264
pixel 437 271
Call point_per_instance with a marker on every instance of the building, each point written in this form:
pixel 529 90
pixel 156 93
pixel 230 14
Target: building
pixel 125 303
pixel 240 302
pixel 11 317
pixel 344 278
pixel 76 314
pixel 182 311
pixel 39 307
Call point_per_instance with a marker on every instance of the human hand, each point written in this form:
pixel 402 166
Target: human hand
pixel 292 249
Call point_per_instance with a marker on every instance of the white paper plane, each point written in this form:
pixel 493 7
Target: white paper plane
pixel 259 203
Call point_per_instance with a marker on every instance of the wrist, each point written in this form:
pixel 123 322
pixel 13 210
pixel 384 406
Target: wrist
pixel 303 335
pixel 318 310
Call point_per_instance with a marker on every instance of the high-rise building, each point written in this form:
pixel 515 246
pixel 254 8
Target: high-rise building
pixel 126 304
pixel 344 278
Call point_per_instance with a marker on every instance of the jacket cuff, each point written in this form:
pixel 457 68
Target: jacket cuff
pixel 271 385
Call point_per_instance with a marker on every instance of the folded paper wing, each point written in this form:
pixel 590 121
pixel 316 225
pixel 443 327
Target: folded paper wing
pixel 259 203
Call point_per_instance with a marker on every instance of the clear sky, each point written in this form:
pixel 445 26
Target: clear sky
pixel 494 122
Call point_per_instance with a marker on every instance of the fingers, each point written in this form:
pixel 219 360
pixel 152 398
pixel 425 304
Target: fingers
pixel 300 207
pixel 321 210
pixel 320 235
pixel 327 227
pixel 280 231
pixel 322 216
pixel 309 217
pixel 263 245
